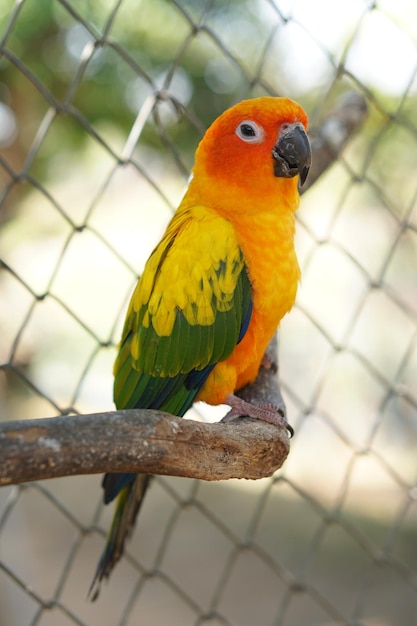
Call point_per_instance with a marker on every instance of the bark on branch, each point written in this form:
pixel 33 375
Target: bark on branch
pixel 142 441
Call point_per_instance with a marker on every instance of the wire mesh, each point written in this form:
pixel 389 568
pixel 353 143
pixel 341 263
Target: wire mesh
pixel 102 105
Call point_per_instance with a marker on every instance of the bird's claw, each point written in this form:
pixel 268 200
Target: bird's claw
pixel 265 412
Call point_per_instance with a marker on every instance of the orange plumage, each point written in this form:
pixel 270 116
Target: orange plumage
pixel 236 180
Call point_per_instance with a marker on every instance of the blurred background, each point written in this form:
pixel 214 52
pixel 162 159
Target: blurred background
pixel 102 105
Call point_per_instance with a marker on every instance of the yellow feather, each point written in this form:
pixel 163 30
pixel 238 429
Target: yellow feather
pixel 197 290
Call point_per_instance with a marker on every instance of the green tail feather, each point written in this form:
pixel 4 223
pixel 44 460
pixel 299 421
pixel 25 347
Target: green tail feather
pixel 127 508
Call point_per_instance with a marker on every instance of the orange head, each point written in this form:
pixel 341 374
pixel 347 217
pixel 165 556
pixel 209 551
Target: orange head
pixel 256 150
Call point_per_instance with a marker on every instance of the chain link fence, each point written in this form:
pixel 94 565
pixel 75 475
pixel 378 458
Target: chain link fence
pixel 101 107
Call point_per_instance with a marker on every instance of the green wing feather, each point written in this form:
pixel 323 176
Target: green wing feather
pixel 187 313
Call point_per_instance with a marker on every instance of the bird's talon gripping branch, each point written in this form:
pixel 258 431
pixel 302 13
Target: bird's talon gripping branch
pixel 265 412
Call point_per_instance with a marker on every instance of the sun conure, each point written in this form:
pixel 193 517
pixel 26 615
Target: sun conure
pixel 215 288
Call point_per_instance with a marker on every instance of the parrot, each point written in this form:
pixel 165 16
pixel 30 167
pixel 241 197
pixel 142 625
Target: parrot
pixel 214 290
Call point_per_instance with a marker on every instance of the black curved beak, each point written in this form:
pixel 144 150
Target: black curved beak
pixel 292 152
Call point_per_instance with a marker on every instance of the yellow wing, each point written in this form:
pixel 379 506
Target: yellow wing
pixel 190 308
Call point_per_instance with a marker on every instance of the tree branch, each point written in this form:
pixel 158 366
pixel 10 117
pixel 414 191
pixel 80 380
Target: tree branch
pixel 152 442
pixel 332 136
pixel 140 441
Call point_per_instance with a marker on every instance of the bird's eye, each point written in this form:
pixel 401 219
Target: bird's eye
pixel 250 132
pixel 247 130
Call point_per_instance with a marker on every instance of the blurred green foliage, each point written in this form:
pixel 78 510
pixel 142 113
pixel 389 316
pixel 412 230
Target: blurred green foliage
pixel 105 61
pixel 97 62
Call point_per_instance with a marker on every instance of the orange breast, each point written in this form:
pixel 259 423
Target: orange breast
pixel 268 246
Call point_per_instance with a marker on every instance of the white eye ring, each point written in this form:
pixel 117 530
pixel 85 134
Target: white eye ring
pixel 250 132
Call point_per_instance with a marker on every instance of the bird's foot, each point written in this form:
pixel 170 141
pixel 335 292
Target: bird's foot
pixel 266 412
